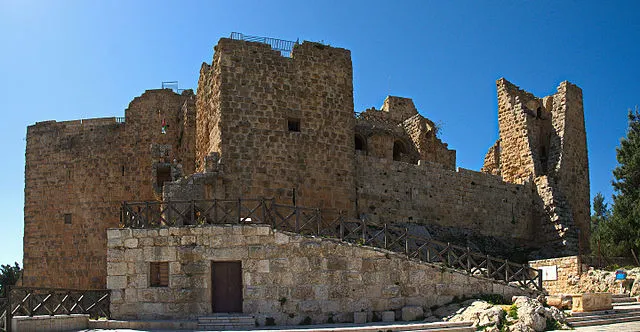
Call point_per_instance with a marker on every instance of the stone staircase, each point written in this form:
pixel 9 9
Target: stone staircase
pixel 247 323
pixel 226 322
pixel 625 309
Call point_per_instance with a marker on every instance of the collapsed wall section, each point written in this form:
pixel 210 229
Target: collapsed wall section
pixel 283 127
pixel 394 192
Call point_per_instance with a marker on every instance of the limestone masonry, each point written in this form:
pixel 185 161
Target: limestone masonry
pixel 267 126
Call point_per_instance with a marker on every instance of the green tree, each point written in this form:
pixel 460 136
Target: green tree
pixel 621 233
pixel 601 211
pixel 9 275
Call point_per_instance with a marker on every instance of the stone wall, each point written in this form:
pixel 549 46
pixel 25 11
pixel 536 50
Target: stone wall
pixel 427 193
pixel 568 272
pixel 78 173
pixel 285 276
pixel 251 96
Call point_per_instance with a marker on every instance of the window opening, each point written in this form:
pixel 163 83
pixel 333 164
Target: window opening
pixel 67 218
pixel 399 149
pixel 163 174
pixel 293 124
pixel 159 274
pixel 360 145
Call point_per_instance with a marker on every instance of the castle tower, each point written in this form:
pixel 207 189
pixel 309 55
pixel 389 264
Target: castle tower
pixel 543 140
pixel 282 126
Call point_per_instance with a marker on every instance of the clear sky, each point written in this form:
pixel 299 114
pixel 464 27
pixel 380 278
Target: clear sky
pixel 64 60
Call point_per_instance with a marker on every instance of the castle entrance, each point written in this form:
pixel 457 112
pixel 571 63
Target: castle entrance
pixel 226 290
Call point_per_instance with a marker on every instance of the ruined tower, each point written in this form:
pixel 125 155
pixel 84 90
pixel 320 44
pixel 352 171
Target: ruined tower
pixel 543 141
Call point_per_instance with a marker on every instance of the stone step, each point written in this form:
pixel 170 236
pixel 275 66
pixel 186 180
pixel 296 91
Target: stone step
pixel 605 312
pixel 599 317
pixel 448 329
pixel 623 299
pixel 620 296
pixel 606 321
pixel 376 327
pixel 227 321
pixel 626 304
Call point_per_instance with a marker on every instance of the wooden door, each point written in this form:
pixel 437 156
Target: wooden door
pixel 226 280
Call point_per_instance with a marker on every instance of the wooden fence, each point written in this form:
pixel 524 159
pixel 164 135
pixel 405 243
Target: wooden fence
pixel 32 301
pixel 327 223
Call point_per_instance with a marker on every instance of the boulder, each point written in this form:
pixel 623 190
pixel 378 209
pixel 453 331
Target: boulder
pixel 481 313
pixel 531 313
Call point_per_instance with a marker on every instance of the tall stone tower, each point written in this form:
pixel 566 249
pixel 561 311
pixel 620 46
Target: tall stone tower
pixel 282 126
pixel 543 140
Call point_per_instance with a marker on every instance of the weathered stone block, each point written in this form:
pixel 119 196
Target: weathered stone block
pixel 131 243
pixel 411 313
pixel 359 317
pixel 591 302
pixel 388 316
pixel 116 282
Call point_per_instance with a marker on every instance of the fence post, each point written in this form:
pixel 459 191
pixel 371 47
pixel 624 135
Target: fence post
pixel 146 221
pixel 506 270
pixel 341 226
pixel 540 280
pixel 296 211
pixel 448 254
pixel 406 241
pixel 8 317
pixel 264 211
pixel 238 221
pixel 488 266
pixel 385 236
pixel 318 219
pixel 468 260
pixel 193 212
pixel 215 211
pixel 364 234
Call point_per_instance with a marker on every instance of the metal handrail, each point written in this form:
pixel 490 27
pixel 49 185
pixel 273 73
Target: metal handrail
pixel 283 46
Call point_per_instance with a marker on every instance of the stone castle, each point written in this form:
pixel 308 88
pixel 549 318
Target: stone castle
pixel 284 128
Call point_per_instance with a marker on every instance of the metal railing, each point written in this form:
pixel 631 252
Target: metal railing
pixel 283 46
pixel 33 301
pixel 327 223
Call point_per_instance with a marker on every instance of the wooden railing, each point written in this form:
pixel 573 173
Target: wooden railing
pixel 4 302
pixel 327 223
pixel 31 301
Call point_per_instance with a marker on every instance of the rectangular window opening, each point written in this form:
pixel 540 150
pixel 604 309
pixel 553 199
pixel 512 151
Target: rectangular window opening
pixel 293 124
pixel 67 218
pixel 159 274
pixel 163 174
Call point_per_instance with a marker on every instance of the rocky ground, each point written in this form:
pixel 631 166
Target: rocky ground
pixel 605 281
pixel 524 315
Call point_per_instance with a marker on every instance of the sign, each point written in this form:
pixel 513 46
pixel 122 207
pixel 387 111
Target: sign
pixel 549 273
pixel 621 275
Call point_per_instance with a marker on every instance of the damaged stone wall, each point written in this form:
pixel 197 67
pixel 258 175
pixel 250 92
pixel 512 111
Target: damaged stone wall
pixel 398 132
pixel 543 141
pixel 285 277
pixel 78 173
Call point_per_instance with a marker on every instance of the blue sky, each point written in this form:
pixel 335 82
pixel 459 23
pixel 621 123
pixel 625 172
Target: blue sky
pixel 68 60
